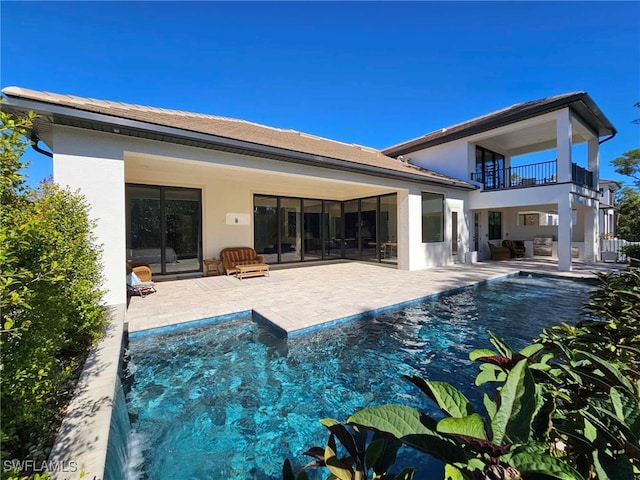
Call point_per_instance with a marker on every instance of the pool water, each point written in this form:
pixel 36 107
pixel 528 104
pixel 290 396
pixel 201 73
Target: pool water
pixel 233 400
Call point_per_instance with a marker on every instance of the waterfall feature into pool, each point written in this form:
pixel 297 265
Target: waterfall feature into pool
pixel 234 399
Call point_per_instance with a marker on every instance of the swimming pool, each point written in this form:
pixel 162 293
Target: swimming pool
pixel 234 399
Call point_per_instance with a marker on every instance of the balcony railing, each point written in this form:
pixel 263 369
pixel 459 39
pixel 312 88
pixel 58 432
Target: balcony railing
pixel 542 173
pixel 581 176
pixel 535 174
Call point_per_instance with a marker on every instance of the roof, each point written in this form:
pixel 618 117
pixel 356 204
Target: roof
pixel 210 131
pixel 579 102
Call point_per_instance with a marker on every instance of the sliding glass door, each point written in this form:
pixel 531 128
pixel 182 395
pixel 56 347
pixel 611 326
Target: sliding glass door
pixel 164 227
pixel 289 229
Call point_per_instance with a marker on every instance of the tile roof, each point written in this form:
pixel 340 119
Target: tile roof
pixel 242 130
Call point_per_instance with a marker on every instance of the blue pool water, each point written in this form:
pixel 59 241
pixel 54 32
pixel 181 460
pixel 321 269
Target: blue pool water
pixel 233 400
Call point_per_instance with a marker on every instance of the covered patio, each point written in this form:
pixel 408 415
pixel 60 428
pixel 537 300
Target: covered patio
pixel 301 299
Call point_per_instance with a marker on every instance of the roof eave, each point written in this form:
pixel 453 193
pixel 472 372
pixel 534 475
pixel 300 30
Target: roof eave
pixel 417 144
pixel 122 125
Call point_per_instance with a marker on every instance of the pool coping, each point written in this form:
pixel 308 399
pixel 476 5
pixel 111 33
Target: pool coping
pixel 80 448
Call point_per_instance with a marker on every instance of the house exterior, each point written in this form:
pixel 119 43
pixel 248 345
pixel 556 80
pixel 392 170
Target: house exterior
pixel 170 188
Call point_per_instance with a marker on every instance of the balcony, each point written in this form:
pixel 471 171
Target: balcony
pixel 533 175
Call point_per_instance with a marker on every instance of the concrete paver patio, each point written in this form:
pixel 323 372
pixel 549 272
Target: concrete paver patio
pixel 297 299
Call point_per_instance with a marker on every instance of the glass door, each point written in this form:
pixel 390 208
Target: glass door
pixel 312 230
pixel 164 228
pixel 388 226
pixel 290 230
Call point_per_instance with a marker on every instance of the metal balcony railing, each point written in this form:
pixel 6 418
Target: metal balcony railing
pixel 535 174
pixel 542 173
pixel 582 176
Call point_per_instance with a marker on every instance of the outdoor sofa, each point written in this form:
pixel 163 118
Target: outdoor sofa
pixel 233 256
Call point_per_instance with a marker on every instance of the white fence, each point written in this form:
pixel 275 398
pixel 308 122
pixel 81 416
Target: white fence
pixel 610 249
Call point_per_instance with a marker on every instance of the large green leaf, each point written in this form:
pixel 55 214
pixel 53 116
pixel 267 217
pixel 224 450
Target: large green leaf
pixel 609 370
pixel 449 399
pixel 343 436
pixel 335 466
pixel 609 468
pixel 490 373
pixel 512 421
pixel 470 426
pixel 627 409
pixel 539 464
pixel 531 350
pixel 480 353
pixel 381 453
pixel 501 346
pixel 408 425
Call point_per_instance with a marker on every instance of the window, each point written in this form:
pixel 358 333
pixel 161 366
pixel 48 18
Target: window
pixel 495 225
pixel 529 219
pixel 432 217
pixel 489 168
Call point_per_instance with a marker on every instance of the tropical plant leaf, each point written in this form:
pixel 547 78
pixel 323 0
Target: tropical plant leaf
pixel 449 399
pixel 490 406
pixel 543 465
pixel 531 350
pixel 481 352
pixel 490 373
pixel 287 471
pixel 335 466
pixel 408 425
pixel 470 426
pixel 501 346
pixel 512 421
pixel 381 453
pixel 609 369
pixel 627 409
pixel 608 468
pixel 452 473
pixel 342 434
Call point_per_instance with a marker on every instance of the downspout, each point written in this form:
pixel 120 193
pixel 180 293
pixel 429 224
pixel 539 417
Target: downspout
pixel 34 145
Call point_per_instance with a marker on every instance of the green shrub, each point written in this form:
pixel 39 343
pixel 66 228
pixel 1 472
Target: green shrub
pixel 50 297
pixel 632 251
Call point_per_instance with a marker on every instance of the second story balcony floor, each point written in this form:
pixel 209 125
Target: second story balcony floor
pixel 526 176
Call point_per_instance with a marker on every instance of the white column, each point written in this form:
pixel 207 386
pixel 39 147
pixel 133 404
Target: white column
pixel 593 160
pixel 591 233
pixel 403 230
pixel 563 145
pixel 565 219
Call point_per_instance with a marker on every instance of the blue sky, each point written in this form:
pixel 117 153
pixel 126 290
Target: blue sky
pixel 374 74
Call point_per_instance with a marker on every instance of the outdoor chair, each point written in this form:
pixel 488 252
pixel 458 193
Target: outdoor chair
pixel 139 281
pixel 516 248
pixel 499 253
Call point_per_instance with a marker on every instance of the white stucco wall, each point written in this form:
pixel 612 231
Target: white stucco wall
pixel 95 167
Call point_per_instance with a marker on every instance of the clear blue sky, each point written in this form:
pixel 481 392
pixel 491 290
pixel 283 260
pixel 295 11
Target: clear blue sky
pixel 374 74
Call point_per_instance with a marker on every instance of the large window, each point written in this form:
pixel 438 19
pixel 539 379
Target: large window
pixel 495 225
pixel 432 217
